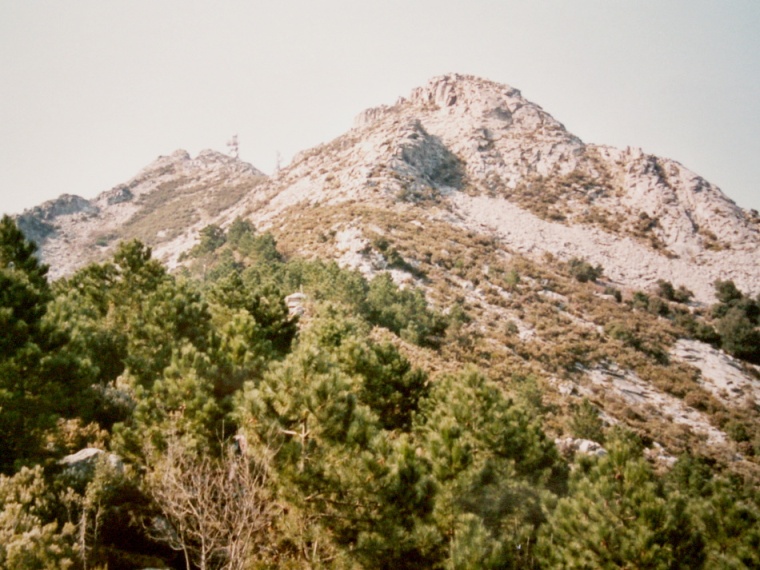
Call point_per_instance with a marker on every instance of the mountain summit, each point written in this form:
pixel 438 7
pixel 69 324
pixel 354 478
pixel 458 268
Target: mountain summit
pixel 444 334
pixel 493 161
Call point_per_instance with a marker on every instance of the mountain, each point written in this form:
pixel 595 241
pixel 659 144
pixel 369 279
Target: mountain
pixel 467 150
pixel 455 336
pixel 164 205
pixel 483 199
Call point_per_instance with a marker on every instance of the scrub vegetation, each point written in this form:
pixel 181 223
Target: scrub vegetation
pixel 359 424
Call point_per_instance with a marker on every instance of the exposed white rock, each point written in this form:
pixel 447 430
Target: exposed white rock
pixel 659 455
pixel 637 393
pixel 722 375
pixel 468 143
pixel 295 303
pixel 459 132
pixel 569 445
pixel 352 247
pixel 86 454
pixel 82 463
pixel 625 260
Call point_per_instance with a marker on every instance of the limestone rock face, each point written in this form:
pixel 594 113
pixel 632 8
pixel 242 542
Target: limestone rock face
pixel 460 181
pixel 505 167
pixel 39 222
pixel 469 150
pixel 164 205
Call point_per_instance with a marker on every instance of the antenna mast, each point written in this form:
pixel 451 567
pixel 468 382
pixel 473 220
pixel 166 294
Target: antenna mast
pixel 232 147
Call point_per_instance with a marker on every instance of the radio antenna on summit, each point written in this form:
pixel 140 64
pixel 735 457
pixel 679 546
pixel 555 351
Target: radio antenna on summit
pixel 232 147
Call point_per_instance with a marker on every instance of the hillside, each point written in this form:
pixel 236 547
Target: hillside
pixel 596 289
pixel 463 149
pixel 164 205
pixel 460 182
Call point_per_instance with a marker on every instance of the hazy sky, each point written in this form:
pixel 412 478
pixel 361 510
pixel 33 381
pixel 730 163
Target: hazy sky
pixel 93 91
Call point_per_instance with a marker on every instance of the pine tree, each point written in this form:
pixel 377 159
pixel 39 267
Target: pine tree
pixel 356 485
pixel 16 252
pixel 617 515
pixel 495 469
pixel 726 513
pixel 265 305
pixel 181 402
pixel 39 379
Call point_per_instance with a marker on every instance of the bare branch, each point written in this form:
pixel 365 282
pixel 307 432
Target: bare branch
pixel 217 510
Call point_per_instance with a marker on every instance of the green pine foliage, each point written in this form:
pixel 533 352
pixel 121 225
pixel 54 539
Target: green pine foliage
pixel 585 422
pixel 346 452
pixel 495 470
pixel 356 482
pixel 404 312
pixel 723 509
pixel 738 321
pixel 40 380
pixel 30 537
pixel 618 515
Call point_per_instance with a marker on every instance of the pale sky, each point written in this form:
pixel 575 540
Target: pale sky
pixel 93 91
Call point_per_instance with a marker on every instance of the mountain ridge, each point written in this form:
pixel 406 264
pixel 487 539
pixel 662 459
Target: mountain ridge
pixel 415 149
pixel 500 162
pixel 485 149
pixel 441 339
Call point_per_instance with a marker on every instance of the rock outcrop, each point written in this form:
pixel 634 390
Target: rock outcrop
pixel 422 187
pixel 459 146
pixel 164 205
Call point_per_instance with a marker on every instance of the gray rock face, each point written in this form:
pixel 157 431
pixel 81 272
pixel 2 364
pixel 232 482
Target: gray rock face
pixel 66 204
pixel 164 205
pixel 81 465
pixel 85 455
pixel 39 223
pixel 118 195
pixel 494 162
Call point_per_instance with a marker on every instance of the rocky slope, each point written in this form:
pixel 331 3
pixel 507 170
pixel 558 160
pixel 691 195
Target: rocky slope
pixel 463 187
pixel 497 163
pixel 164 205
pixel 502 166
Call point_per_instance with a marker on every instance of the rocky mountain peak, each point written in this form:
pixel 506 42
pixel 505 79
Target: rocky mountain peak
pixel 520 173
pixel 472 150
pixel 490 126
pixel 164 205
pixel 206 162
pixel 456 93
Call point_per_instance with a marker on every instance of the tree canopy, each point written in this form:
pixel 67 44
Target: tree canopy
pixel 219 428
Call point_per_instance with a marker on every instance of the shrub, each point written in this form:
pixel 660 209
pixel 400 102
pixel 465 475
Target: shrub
pixel 640 300
pixel 738 336
pixel 583 271
pixel 726 291
pixel 27 537
pixel 585 422
pixel 614 292
pixel 738 317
